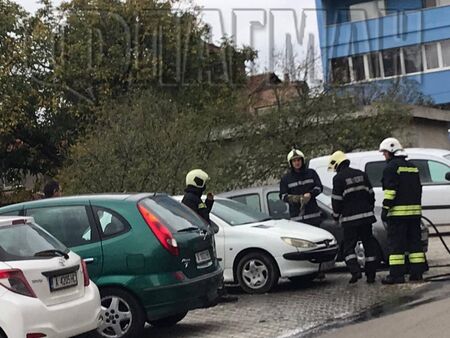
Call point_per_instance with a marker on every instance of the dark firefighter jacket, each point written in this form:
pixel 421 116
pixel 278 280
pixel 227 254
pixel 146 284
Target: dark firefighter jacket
pixel 353 198
pixel 300 183
pixel 192 198
pixel 402 189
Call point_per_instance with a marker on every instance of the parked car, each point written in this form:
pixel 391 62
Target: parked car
pixel 256 250
pixel 45 289
pixel 150 256
pixel 433 164
pixel 266 199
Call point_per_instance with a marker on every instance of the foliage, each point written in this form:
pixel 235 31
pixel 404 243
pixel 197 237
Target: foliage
pixel 318 125
pixel 146 142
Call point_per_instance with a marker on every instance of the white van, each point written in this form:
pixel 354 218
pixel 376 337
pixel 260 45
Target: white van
pixel 433 164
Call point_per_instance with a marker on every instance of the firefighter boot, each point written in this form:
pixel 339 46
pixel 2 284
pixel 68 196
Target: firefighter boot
pixel 355 278
pixel 389 280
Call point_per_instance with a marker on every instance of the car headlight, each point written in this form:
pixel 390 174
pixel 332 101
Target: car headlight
pixel 299 243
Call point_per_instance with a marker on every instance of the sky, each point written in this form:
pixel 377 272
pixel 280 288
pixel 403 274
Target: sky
pixel 282 31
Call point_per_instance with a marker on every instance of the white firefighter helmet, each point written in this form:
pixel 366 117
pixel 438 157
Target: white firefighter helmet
pixel 197 178
pixel 295 153
pixel 336 159
pixel 393 146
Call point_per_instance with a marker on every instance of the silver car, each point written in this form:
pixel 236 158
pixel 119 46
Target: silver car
pixel 266 199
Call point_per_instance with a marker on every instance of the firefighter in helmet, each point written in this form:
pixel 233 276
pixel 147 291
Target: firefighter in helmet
pixel 299 188
pixel 353 202
pixel 195 187
pixel 402 210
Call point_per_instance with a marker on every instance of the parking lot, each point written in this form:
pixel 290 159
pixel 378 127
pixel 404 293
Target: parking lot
pixel 294 310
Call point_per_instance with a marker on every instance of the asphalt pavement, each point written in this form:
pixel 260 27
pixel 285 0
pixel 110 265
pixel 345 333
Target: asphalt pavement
pixel 312 309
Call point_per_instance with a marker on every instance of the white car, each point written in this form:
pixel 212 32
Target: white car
pixel 45 289
pixel 434 169
pixel 257 250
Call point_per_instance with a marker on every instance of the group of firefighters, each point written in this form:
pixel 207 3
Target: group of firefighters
pixel 353 203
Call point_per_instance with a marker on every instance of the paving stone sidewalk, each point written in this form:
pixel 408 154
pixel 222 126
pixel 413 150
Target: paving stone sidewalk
pixel 292 309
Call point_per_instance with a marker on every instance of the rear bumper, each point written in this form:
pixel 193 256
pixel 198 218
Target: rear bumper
pixel 200 292
pixel 313 256
pixel 30 315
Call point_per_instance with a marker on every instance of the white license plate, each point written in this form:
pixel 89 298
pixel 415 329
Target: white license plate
pixel 202 257
pixel 63 281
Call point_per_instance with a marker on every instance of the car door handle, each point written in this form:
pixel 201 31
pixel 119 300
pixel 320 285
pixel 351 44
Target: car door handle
pixel 89 260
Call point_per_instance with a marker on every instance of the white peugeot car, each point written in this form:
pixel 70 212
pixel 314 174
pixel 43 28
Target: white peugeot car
pixel 45 289
pixel 257 250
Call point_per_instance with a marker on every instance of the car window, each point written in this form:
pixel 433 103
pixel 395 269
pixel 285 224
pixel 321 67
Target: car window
pixel 11 213
pixel 110 222
pixel 22 242
pixel 277 208
pixel 235 213
pixel 252 200
pixel 69 224
pixel 173 214
pixel 374 171
pixel 431 172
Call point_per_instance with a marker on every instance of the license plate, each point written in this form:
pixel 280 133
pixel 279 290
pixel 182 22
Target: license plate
pixel 63 281
pixel 202 257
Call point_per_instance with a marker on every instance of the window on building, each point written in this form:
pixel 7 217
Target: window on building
pixel 431 56
pixel 391 62
pixel 358 68
pixel 435 3
pixel 413 59
pixel 429 3
pixel 340 70
pixel 367 10
pixel 374 65
pixel 445 46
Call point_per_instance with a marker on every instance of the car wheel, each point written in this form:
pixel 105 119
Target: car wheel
pixel 257 273
pixel 123 316
pixel 168 321
pixel 2 335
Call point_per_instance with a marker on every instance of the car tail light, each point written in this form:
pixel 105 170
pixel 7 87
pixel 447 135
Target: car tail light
pixel 161 232
pixel 36 335
pixel 15 281
pixel 85 273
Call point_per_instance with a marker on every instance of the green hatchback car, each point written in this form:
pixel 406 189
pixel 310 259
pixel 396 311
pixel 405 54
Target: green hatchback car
pixel 152 258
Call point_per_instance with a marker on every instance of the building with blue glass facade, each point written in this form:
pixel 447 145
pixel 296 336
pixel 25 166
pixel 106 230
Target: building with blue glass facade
pixel 384 40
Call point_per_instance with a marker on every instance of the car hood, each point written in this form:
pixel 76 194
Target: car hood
pixel 286 228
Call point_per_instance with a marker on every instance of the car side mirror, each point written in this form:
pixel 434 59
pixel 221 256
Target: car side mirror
pixel 447 176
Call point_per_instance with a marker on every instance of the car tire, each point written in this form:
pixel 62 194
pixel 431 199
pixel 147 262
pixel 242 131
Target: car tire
pixel 257 272
pixel 115 303
pixel 168 321
pixel 2 334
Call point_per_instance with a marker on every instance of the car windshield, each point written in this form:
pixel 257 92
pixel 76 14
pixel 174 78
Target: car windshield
pixel 23 241
pixel 325 197
pixel 235 213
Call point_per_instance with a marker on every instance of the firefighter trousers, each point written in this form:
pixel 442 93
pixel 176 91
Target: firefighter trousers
pixel 404 238
pixel 363 233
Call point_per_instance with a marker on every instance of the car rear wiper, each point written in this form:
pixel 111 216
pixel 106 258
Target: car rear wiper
pixel 51 253
pixel 188 229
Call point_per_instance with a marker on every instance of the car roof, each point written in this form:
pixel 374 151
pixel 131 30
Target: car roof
pixel 409 151
pixel 8 220
pixel 80 198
